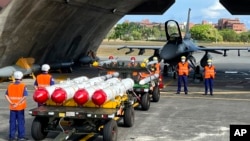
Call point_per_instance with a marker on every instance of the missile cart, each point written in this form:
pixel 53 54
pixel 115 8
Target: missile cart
pixel 142 93
pixel 88 120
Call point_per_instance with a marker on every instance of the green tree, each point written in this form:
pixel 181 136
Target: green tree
pixel 229 35
pixel 205 32
pixel 244 36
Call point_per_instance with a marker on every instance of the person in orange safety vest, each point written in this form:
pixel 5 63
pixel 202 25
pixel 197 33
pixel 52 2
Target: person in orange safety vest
pixel 209 75
pixel 133 63
pixel 44 79
pixel 112 64
pixel 183 71
pixel 16 94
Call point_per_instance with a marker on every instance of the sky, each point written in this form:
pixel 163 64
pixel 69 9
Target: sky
pixel 209 10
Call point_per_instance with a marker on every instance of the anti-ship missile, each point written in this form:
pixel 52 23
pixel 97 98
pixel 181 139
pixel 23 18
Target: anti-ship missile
pixel 41 95
pixel 148 79
pixel 84 95
pixel 103 95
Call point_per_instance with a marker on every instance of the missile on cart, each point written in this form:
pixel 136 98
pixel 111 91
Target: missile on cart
pixel 84 95
pixel 101 63
pixel 101 96
pixel 152 62
pixel 66 93
pixel 148 79
pixel 41 95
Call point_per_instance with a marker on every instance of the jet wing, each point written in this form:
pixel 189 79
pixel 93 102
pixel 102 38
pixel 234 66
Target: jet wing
pixel 225 49
pixel 140 48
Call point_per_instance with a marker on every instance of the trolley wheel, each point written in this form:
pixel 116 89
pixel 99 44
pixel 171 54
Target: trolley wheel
pixel 145 101
pixel 129 116
pixel 110 131
pixel 38 128
pixel 156 94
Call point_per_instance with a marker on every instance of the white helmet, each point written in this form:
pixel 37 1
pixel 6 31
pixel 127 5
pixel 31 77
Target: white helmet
pixel 155 59
pixel 18 75
pixel 45 67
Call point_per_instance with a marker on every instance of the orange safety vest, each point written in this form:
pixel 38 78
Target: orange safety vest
pixel 110 72
pixel 183 68
pixel 15 93
pixel 43 80
pixel 157 68
pixel 135 73
pixel 209 72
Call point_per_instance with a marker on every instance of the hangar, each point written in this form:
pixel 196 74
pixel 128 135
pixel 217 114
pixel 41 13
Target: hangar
pixel 62 30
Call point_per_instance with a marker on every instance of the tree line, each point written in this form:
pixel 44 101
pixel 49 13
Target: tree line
pixel 201 32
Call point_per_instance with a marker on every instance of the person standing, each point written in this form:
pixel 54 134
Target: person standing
pixel 209 75
pixel 183 71
pixel 44 79
pixel 16 94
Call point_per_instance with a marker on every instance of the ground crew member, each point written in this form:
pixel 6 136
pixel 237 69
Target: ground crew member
pixel 44 79
pixel 183 71
pixel 16 95
pixel 157 66
pixel 144 74
pixel 209 75
pixel 132 63
pixel 112 63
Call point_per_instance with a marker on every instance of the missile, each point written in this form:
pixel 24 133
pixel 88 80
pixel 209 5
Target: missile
pixel 41 95
pixel 84 94
pixel 148 79
pixel 101 96
pixel 101 63
pixel 152 62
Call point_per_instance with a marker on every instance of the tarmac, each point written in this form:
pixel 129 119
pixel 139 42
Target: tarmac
pixel 192 117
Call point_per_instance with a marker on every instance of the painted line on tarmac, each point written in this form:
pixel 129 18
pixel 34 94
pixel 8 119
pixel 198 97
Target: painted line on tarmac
pixel 206 97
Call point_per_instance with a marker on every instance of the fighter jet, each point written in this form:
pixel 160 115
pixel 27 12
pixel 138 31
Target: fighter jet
pixel 25 65
pixel 177 46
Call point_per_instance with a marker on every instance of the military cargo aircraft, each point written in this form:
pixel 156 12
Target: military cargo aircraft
pixel 176 46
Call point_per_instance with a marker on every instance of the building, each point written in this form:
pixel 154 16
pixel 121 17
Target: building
pixel 233 24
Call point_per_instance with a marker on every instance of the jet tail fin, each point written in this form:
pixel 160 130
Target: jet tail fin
pixel 188 35
pixel 25 63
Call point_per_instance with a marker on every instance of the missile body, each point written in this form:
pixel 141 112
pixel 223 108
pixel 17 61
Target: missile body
pixel 148 79
pixel 84 94
pixel 101 96
pixel 152 62
pixel 65 93
pixel 101 63
pixel 41 95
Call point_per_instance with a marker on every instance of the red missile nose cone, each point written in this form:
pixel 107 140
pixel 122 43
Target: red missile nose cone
pixel 99 97
pixel 41 95
pixel 59 95
pixel 81 96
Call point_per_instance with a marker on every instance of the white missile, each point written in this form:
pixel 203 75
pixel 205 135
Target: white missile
pixel 101 96
pixel 85 93
pixel 41 95
pixel 65 93
pixel 152 62
pixel 148 79
pixel 101 63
